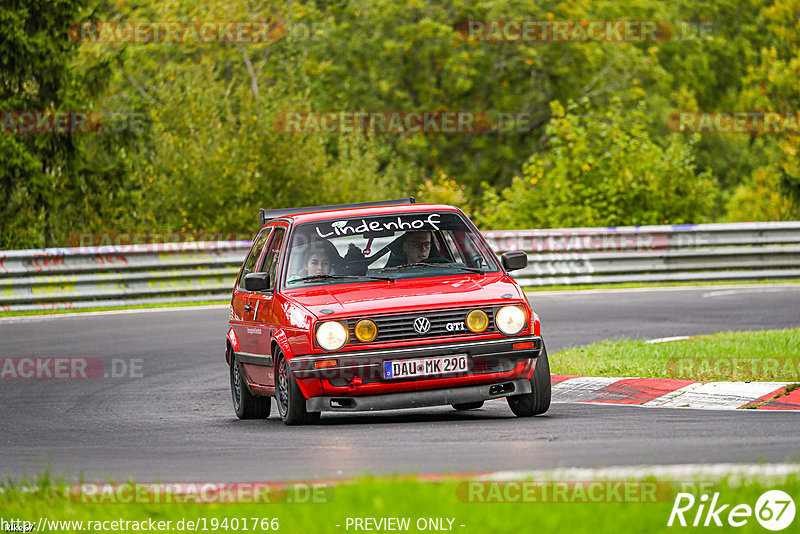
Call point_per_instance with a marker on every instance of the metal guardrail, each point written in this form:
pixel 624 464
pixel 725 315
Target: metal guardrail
pixel 180 272
pixel 65 278
pixel 701 252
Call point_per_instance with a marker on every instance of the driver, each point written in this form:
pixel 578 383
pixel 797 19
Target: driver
pixel 417 246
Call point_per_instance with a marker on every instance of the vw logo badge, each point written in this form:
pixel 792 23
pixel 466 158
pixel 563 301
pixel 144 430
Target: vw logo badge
pixel 422 325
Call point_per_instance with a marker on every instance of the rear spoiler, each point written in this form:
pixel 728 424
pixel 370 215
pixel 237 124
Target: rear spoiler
pixel 268 215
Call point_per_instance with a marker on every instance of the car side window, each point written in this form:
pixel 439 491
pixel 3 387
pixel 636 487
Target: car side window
pixel 272 259
pixel 252 258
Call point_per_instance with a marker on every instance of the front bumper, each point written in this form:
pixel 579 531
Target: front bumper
pixel 370 363
pixel 417 399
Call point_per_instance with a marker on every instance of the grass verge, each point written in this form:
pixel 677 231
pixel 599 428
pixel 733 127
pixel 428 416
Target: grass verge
pixel 112 308
pixel 736 356
pixel 633 285
pixel 454 505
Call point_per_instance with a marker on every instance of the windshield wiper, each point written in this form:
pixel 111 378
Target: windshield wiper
pixel 340 276
pixel 445 265
pixel 468 269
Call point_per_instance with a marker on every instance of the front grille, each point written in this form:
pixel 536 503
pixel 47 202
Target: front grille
pixel 401 327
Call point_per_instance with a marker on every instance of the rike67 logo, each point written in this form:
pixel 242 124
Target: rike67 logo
pixel 774 510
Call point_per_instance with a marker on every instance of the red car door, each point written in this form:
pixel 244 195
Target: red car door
pixel 264 318
pixel 242 306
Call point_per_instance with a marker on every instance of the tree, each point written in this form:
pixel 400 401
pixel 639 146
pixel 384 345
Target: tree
pixel 211 153
pixel 602 169
pixel 48 181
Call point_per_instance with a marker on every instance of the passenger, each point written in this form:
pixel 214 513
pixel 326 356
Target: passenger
pixel 316 261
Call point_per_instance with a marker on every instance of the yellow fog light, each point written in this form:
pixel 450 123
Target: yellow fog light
pixel 477 321
pixel 366 330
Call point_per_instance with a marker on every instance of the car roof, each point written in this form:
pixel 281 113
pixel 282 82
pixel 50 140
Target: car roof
pixel 366 212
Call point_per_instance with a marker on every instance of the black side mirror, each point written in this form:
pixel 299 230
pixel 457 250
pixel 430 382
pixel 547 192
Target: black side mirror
pixel 513 261
pixel 256 281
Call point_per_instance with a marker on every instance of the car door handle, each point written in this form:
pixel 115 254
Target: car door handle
pixel 248 308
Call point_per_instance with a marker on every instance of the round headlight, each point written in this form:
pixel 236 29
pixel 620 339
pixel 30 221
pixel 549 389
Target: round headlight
pixel 477 321
pixel 331 335
pixel 366 330
pixel 510 320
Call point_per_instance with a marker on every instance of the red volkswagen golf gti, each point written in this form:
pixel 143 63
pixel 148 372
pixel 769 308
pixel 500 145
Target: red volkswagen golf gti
pixel 380 306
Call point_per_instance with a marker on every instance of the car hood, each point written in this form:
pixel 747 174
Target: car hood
pixel 407 295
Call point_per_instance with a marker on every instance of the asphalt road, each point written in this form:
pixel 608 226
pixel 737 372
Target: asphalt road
pixel 173 420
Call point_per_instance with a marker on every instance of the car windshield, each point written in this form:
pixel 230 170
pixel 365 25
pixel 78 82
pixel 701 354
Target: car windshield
pixel 387 247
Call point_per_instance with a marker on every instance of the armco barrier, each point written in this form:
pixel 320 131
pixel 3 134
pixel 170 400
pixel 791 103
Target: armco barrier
pixel 696 252
pixel 118 275
pixel 178 272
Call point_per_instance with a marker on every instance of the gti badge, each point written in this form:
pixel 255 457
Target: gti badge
pixel 422 325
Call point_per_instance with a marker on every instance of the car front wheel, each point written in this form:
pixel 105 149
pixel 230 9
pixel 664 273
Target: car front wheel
pixel 290 400
pixel 245 404
pixel 538 400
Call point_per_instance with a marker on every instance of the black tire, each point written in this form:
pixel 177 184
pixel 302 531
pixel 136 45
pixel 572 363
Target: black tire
pixel 245 404
pixel 290 400
pixel 538 401
pixel 468 406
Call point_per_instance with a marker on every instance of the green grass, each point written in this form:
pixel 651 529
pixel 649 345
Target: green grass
pixel 109 308
pixel 406 498
pixel 629 285
pixel 736 356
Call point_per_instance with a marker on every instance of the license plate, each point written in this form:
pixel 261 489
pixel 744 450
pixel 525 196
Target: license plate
pixel 437 365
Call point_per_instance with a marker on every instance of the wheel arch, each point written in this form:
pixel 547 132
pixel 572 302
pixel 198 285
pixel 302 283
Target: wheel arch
pixel 281 341
pixel 310 387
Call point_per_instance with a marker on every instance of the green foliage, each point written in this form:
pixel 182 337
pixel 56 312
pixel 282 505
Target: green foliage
pixel 204 153
pixel 49 183
pixel 443 190
pixel 389 55
pixel 213 154
pixel 602 169
pixel 760 199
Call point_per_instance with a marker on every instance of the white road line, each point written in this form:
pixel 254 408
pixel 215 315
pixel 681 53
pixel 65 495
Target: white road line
pixel 667 339
pixel 674 472
pixel 728 292
pixel 576 292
